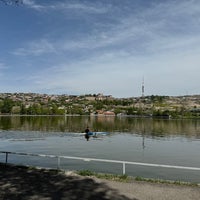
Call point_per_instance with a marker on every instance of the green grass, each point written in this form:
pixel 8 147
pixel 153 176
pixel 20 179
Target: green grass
pixel 114 177
pixel 121 178
pixel 125 178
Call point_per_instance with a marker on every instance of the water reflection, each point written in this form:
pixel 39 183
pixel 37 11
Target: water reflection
pixel 144 127
pixel 174 142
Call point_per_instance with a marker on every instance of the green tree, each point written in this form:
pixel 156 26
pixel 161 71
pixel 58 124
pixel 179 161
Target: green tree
pixel 7 106
pixel 23 110
pixel 16 110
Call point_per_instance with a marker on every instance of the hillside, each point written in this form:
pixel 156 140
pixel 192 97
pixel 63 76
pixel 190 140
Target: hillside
pixel 99 104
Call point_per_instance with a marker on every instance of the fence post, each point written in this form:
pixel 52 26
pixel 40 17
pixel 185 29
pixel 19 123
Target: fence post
pixel 124 168
pixel 58 163
pixel 6 157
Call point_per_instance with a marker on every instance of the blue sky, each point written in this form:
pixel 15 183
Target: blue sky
pixel 101 46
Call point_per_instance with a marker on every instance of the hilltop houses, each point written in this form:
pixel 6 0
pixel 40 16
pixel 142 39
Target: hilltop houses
pixel 98 104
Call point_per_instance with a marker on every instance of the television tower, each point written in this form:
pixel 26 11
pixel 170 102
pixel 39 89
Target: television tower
pixel 143 87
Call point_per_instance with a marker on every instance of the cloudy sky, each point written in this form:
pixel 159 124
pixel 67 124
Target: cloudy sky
pixel 101 46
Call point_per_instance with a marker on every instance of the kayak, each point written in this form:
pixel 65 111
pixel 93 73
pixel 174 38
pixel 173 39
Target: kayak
pixel 97 133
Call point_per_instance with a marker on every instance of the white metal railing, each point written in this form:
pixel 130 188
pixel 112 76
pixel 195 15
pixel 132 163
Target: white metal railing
pixel 124 163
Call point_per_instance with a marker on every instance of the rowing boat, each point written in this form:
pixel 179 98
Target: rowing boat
pixel 97 133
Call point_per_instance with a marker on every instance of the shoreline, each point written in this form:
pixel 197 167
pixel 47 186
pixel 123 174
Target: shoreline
pixel 106 116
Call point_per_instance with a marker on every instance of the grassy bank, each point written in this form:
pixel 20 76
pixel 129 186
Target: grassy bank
pixel 125 178
pixel 114 177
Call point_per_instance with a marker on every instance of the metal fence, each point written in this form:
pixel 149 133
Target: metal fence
pixel 124 163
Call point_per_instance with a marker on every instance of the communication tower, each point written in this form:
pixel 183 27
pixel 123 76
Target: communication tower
pixel 143 88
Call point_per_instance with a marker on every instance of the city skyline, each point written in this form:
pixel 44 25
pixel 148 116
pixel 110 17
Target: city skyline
pixel 108 46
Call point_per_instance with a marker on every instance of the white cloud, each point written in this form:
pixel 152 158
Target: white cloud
pixel 121 75
pixel 160 43
pixel 32 4
pixel 150 31
pixel 3 66
pixel 35 48
pixel 79 6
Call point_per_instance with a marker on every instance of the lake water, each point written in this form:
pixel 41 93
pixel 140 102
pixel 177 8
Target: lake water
pixel 170 142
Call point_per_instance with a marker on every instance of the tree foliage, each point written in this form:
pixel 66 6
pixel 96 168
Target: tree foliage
pixel 6 106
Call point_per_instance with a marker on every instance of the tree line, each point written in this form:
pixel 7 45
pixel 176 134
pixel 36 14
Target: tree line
pixel 84 107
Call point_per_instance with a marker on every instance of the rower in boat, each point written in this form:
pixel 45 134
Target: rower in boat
pixel 87 131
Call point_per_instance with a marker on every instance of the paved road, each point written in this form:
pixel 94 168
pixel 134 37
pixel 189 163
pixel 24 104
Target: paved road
pixel 156 191
pixel 21 183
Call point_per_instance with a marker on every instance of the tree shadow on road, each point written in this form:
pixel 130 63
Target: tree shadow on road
pixel 17 182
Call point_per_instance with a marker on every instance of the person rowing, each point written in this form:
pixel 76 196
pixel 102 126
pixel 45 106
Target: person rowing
pixel 87 136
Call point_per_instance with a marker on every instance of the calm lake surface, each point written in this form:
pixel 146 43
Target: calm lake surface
pixel 171 142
